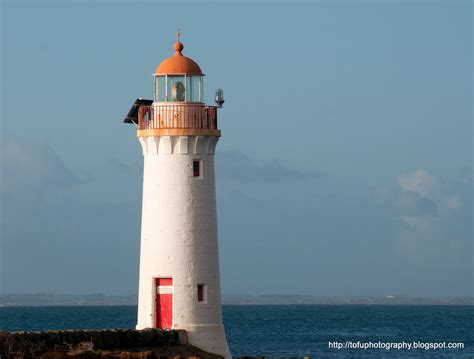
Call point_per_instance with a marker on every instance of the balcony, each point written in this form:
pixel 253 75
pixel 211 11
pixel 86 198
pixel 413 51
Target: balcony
pixel 173 116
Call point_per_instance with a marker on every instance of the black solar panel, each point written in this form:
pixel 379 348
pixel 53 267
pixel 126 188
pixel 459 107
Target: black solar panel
pixel 132 116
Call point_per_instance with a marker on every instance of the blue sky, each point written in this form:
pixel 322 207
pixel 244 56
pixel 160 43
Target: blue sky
pixel 345 166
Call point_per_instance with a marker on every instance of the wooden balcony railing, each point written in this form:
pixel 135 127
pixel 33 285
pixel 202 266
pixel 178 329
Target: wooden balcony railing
pixel 177 116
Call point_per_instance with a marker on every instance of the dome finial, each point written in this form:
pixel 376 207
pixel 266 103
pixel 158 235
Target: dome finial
pixel 178 63
pixel 178 46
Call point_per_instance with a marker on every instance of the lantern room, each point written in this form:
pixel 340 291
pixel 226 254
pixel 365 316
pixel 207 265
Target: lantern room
pixel 178 79
pixel 178 99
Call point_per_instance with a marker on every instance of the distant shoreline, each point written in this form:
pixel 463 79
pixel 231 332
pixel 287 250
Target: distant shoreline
pixel 47 300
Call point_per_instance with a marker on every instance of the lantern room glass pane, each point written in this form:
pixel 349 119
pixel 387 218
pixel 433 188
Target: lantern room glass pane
pixel 201 88
pixel 160 88
pixel 195 93
pixel 176 89
pixel 188 89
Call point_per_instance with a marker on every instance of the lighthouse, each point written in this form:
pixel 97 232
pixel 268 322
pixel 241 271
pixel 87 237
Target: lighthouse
pixel 179 283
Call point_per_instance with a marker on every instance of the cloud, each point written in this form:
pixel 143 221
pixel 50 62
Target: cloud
pixel 32 167
pixel 52 218
pixel 423 200
pixel 426 206
pixel 432 218
pixel 54 238
pixel 124 168
pixel 237 166
pixel 420 183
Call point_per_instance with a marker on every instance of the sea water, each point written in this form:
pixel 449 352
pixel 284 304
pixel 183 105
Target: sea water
pixel 291 330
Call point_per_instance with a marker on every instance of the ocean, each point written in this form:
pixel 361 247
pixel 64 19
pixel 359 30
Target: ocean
pixel 293 330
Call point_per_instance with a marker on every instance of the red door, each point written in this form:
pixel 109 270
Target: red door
pixel 164 303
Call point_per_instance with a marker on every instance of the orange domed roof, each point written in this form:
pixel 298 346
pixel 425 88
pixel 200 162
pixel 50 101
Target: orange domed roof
pixel 178 64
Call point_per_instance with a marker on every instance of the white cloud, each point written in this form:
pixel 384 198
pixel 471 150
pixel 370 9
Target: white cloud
pixel 32 167
pixel 423 194
pixel 237 166
pixel 451 203
pixel 46 224
pixel 419 182
pixel 423 199
pixel 417 222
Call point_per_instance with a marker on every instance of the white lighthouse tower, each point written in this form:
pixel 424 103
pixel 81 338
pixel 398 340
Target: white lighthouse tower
pixel 179 261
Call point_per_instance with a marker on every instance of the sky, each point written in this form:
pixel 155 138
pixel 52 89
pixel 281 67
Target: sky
pixel 344 168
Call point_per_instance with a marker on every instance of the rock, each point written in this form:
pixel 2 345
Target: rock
pixel 103 344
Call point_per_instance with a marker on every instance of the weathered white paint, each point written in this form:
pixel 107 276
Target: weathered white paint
pixel 179 237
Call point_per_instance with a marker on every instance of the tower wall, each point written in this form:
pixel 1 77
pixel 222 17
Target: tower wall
pixel 179 237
